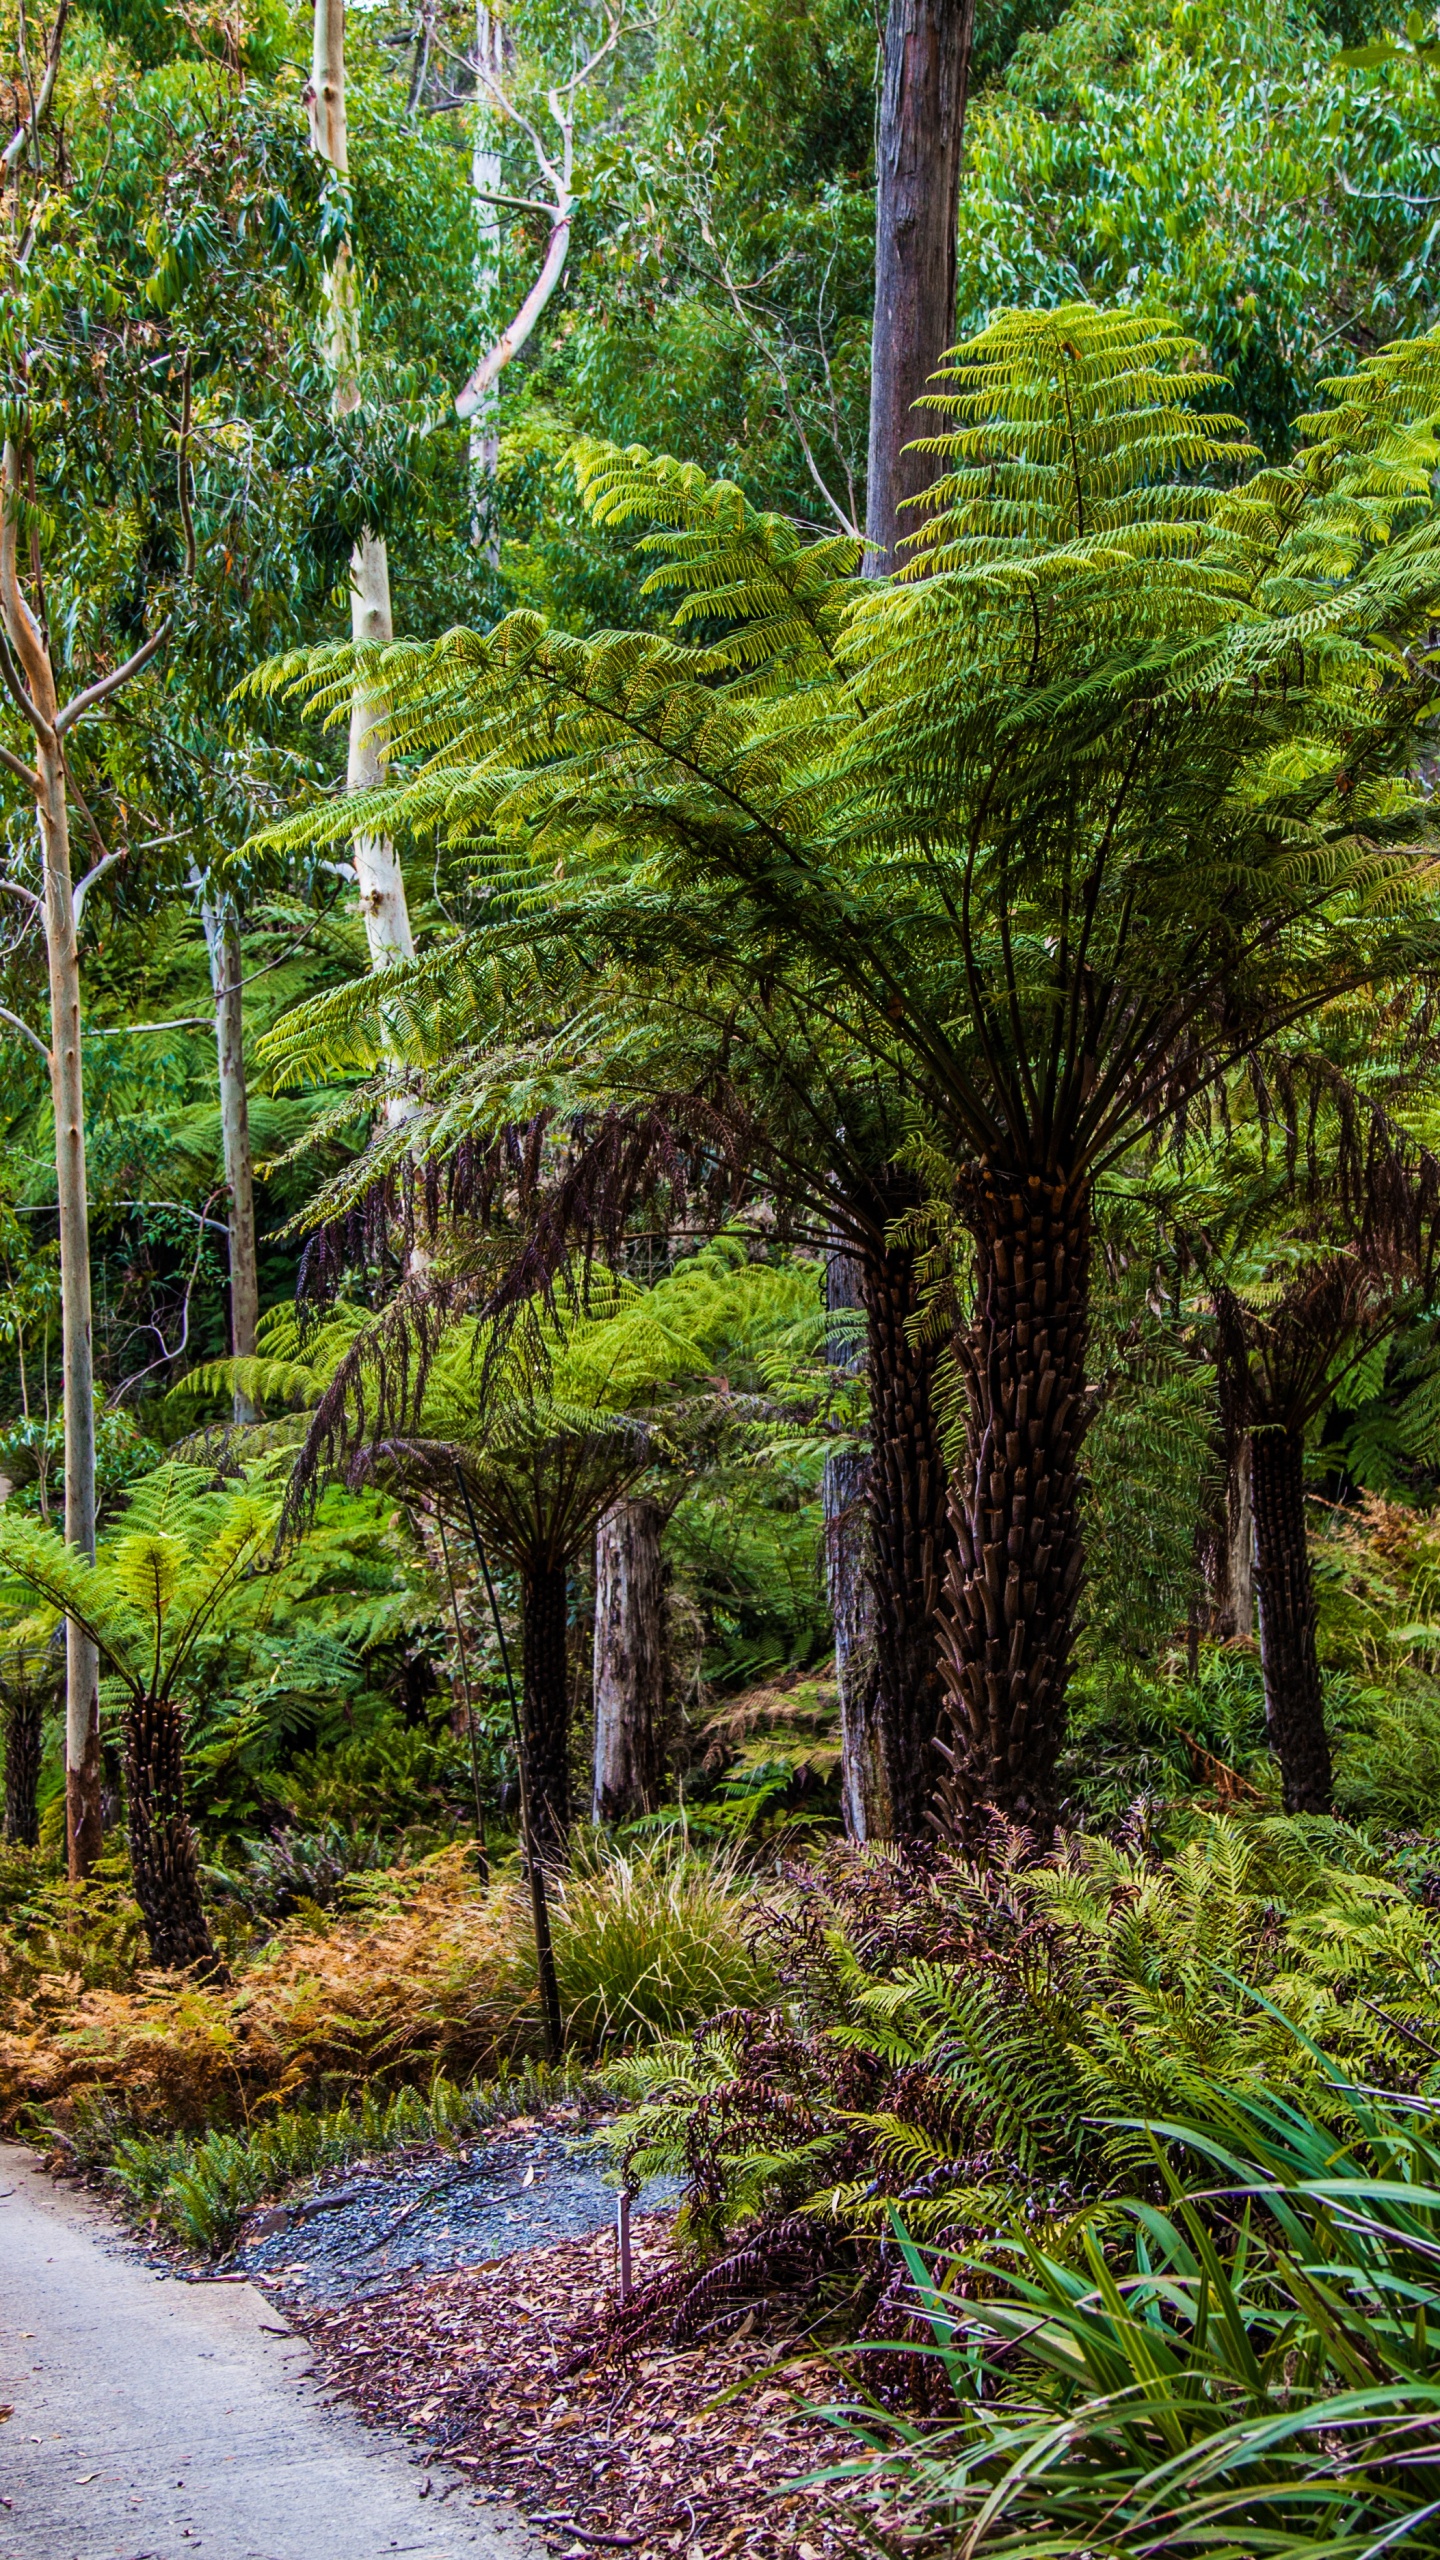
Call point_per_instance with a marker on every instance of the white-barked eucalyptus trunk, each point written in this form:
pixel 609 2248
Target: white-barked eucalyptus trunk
pixel 378 875
pixel 222 938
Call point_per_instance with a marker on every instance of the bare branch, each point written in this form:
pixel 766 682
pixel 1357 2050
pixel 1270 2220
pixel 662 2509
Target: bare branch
pixel 17 765
pixel 95 694
pixel 40 107
pixel 17 889
pixel 77 894
pixel 24 1029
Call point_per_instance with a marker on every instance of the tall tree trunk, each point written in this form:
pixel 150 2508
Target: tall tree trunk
pixel 22 1719
pixel 223 940
pixel 1294 1704
pixel 487 178
pixel 545 1703
pixel 1238 1616
pixel 629 1658
pixel 922 123
pixel 1013 1581
pixel 383 905
pixel 163 1865
pixel 850 1581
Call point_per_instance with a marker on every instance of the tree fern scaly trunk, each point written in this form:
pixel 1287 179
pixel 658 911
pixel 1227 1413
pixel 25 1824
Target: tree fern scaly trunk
pixel 1293 1697
pixel 163 1865
pixel 1012 1584
pixel 545 1702
pixel 909 1539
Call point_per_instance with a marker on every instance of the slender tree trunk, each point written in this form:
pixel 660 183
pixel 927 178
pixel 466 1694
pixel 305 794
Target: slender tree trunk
pixel 163 1865
pixel 84 1813
pixel 1013 1581
pixel 922 124
pixel 849 1575
pixel 629 1658
pixel 1294 1704
pixel 850 1580
pixel 487 177
pixel 382 888
pixel 545 1703
pixel 24 1716
pixel 223 939
pixel 1239 1611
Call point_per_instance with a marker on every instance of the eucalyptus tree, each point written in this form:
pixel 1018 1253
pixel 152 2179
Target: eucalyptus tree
pixel 1073 820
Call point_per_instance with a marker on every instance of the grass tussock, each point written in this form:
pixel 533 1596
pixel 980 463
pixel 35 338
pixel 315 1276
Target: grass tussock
pixel 652 1940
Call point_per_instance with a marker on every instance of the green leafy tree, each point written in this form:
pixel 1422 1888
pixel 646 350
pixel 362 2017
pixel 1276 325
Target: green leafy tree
pixel 1098 802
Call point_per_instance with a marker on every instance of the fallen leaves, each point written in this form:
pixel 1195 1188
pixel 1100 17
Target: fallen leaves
pixel 636 2458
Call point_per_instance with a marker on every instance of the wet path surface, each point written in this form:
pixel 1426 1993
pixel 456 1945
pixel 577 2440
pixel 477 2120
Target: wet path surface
pixel 148 2418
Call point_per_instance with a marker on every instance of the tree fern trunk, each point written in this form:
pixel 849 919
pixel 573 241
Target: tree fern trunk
pixel 24 1719
pixel 545 1704
pixel 629 1658
pixel 909 1539
pixel 1009 1611
pixel 1294 1709
pixel 164 1868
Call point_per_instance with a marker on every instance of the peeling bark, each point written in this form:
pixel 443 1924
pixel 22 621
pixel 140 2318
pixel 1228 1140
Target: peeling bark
pixel 922 124
pixel 629 1658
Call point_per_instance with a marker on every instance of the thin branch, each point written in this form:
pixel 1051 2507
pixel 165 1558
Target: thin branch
pixel 78 893
pixel 125 1030
pixel 24 1028
pixel 20 139
pixel 97 693
pixel 17 765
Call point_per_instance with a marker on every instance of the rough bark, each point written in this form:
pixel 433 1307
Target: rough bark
pixel 922 122
pixel 1013 1581
pixel 1237 1617
pixel 164 1869
pixel 629 1659
pixel 909 1539
pixel 1294 1704
pixel 849 1576
pixel 22 1715
pixel 545 1703
pixel 223 940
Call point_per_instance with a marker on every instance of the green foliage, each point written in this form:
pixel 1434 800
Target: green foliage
pixel 650 1940
pixel 947 2033
pixel 202 2191
pixel 1243 2367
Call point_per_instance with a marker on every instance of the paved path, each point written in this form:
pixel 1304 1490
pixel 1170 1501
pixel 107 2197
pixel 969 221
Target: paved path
pixel 152 2419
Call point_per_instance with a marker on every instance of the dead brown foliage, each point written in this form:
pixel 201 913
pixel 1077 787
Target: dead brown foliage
pixel 480 2364
pixel 435 1976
